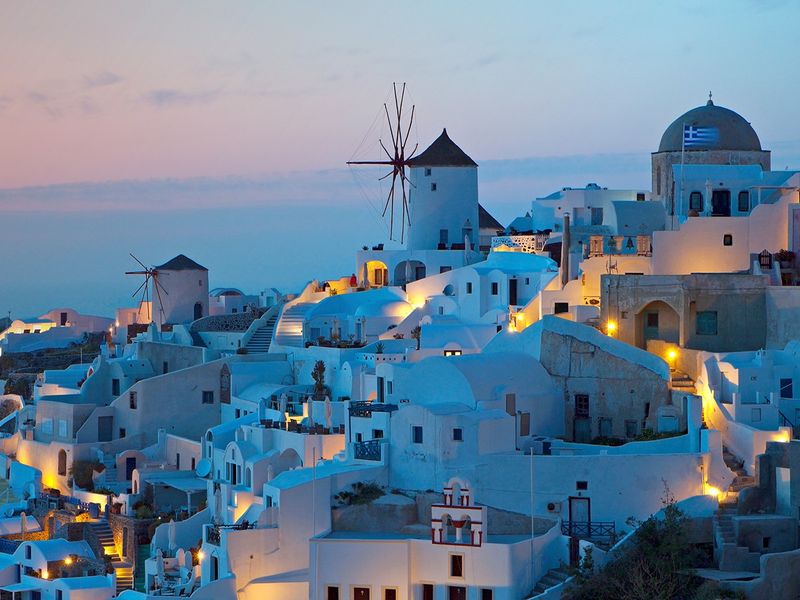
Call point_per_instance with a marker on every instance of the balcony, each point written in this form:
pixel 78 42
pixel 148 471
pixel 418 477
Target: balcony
pixel 365 409
pixel 618 245
pixel 214 532
pixel 369 450
pixel 602 531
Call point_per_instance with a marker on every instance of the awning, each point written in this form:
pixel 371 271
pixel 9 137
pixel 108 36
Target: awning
pixel 21 587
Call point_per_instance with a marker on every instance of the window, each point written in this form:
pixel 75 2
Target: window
pixel 652 319
pixel 658 180
pixel 165 367
pixel 237 413
pixel 122 432
pixel 443 236
pixel 389 593
pixel 193 463
pixel 458 434
pixel 631 429
pixel 445 269
pixel 427 172
pixel 200 282
pixel 581 486
pixel 377 434
pixel 605 426
pixel 640 196
pixel 525 424
pixel 581 405
pixel 27 552
pixel 696 201
pixel 765 543
pixel 727 240
pixel 452 352
pixel 511 404
pixel 115 387
pixel 706 323
pixel 389 387
pixel 332 592
pixel 744 201
pixel 560 308
pixel 59 595
pixel 132 399
pixel 208 397
pixel 469 287
pixel 63 319
pixel 755 415
pixel 786 387
pixel 177 461
pixel 456 565
pixel 416 434
pixel 597 216
pixel 360 593
pixel 427 591
pixel 433 187
pixel 381 390
pixel 494 288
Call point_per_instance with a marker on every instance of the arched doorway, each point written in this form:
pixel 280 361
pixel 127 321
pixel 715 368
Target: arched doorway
pixel 62 462
pixel 408 271
pixel 198 311
pixel 377 273
pixel 657 321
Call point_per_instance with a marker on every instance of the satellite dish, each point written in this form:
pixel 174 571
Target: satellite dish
pixel 203 468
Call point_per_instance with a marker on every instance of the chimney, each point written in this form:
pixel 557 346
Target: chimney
pixel 565 242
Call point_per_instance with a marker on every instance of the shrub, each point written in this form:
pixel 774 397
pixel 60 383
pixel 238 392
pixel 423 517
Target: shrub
pixel 318 375
pixel 363 493
pixel 81 472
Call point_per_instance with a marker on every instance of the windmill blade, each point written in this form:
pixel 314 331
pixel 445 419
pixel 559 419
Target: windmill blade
pixel 408 131
pixel 390 197
pixel 140 262
pixel 404 210
pixel 391 127
pixel 380 141
pixel 144 283
pixel 157 288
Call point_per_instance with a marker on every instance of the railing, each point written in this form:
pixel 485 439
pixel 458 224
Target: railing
pixel 526 243
pixel 365 409
pixel 369 450
pixel 213 532
pixel 590 530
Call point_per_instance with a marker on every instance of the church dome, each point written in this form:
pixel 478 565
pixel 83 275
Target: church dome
pixel 733 132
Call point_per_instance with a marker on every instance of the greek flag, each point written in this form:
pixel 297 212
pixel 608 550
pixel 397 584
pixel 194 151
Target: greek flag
pixel 699 136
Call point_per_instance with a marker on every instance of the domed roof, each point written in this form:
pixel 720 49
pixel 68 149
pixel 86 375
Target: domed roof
pixel 734 132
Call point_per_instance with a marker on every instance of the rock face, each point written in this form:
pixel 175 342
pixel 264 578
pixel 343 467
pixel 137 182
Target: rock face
pixel 390 513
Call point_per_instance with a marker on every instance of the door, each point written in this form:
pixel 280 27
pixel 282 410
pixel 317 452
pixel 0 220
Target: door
pixel 721 203
pixel 104 428
pixel 360 593
pixel 198 311
pixel 456 592
pixel 580 510
pixel 512 292
pixel 582 422
pixel 651 325
pixel 214 568
pixel 574 551
pixel 130 465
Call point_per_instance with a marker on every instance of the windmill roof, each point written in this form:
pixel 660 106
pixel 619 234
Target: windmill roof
pixel 443 152
pixel 486 220
pixel 181 263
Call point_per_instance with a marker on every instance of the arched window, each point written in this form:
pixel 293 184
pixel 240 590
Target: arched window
pixel 248 477
pixel 744 201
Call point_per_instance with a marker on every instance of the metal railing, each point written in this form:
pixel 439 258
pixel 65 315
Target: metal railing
pixel 590 530
pixel 369 450
pixel 365 409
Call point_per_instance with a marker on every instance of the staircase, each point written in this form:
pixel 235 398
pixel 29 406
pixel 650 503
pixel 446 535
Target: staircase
pixel 110 463
pixel 289 331
pixel 731 556
pixel 681 382
pixel 552 578
pixel 122 570
pixel 262 337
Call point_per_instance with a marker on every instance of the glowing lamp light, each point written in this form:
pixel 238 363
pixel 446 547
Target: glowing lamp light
pixel 611 327
pixel 713 491
pixel 68 561
pixel 201 555
pixel 672 354
pixel 45 574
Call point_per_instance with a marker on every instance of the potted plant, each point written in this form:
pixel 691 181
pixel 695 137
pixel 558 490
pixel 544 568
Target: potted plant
pixel 785 257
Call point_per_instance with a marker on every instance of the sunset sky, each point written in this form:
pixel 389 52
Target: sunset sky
pixel 220 130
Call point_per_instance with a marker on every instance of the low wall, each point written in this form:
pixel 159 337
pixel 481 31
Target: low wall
pixel 187 532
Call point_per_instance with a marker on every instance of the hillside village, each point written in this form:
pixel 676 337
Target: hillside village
pixel 478 415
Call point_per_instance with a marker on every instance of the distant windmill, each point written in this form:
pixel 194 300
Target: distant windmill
pixel 150 274
pixel 397 160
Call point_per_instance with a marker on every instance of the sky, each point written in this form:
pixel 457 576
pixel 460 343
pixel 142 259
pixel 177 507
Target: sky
pixel 220 130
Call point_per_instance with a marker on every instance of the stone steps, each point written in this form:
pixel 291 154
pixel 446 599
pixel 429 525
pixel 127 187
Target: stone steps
pixel 552 578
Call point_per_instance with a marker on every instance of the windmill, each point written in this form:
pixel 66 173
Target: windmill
pixel 397 159
pixel 149 273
